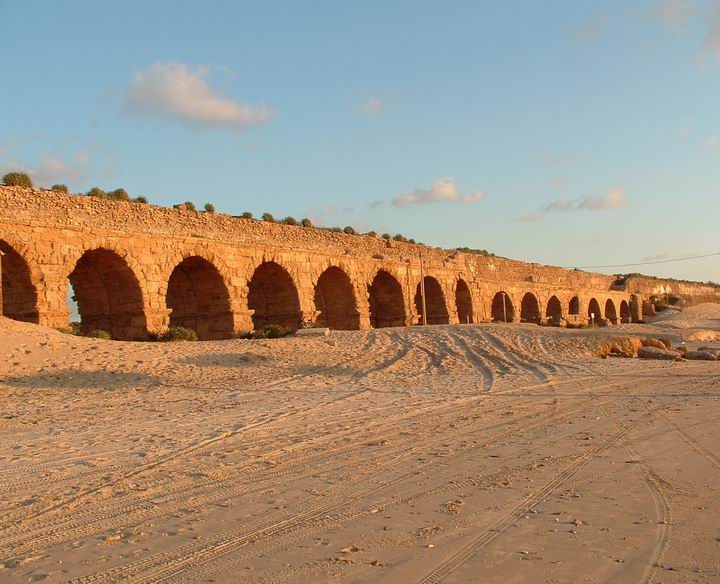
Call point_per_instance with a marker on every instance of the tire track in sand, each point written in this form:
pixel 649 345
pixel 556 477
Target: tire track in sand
pixel 484 538
pixel 169 564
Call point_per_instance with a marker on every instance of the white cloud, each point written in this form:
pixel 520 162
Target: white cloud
pixel 173 89
pixel 441 190
pixel 674 14
pixel 373 106
pixel 613 199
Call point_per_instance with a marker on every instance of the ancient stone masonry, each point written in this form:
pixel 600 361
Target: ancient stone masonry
pixel 137 269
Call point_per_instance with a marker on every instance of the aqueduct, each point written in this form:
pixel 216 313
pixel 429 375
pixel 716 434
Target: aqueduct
pixel 136 269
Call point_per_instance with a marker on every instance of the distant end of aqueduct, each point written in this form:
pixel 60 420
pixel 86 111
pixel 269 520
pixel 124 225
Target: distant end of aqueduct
pixel 137 269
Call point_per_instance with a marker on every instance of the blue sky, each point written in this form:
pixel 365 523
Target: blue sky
pixel 571 133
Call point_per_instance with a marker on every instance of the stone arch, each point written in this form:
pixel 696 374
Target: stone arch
pixel 574 306
pixel 530 309
pixel 108 295
pixel 611 311
pixel 18 294
pixel 502 309
pixel 335 300
pixel 387 305
pixel 463 302
pixel 198 299
pixel 624 311
pixel 594 308
pixel 273 297
pixel 554 310
pixel 437 312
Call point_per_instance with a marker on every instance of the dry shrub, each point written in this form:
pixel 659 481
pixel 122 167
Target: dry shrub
pixel 99 334
pixel 17 179
pixel 704 336
pixel 175 334
pixel 271 331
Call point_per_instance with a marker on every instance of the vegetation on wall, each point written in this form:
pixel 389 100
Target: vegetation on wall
pixel 17 179
pixel 120 194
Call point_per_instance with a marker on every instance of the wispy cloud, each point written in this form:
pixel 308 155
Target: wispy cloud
pixel 52 169
pixel 713 143
pixel 559 205
pixel 175 90
pixel 614 199
pixel 711 42
pixel 674 14
pixel 321 214
pixel 592 29
pixel 441 190
pixel 373 106
pixel 532 216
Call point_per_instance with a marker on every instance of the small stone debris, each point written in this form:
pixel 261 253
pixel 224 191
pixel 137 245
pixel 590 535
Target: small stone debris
pixel 701 356
pixel 453 506
pixel 350 549
pixel 660 354
pixel 313 332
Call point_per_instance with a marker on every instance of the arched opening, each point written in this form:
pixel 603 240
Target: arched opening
pixel 437 312
pixel 387 307
pixel 19 296
pixel 335 301
pixel 463 302
pixel 610 311
pixel 199 300
pixel 593 312
pixel 502 309
pixel 108 295
pixel 274 298
pixel 624 311
pixel 530 309
pixel 554 310
pixel 574 306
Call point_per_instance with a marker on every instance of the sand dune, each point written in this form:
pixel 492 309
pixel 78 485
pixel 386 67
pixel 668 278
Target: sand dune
pixel 479 453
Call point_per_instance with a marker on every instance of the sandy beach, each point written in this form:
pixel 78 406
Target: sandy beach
pixel 473 453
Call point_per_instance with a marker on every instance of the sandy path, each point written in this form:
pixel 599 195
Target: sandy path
pixel 482 453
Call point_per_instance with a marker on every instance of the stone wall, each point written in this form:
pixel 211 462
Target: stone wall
pixel 137 268
pixel 668 290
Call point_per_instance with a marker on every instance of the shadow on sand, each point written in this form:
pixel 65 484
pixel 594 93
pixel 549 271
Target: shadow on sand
pixel 79 379
pixel 225 360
